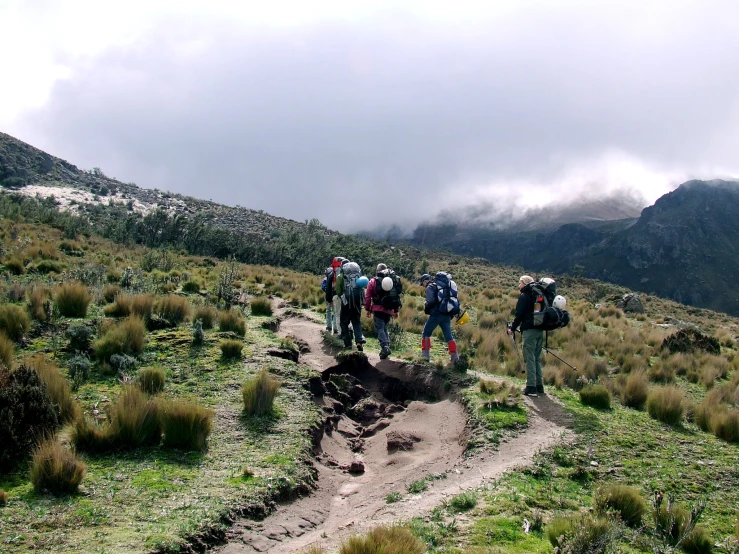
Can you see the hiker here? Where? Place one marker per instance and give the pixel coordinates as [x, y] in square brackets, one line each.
[333, 304]
[533, 339]
[382, 302]
[352, 298]
[441, 305]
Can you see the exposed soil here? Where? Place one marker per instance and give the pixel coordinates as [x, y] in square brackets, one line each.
[387, 424]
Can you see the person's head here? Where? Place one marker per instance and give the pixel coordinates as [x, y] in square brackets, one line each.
[524, 280]
[380, 268]
[344, 261]
[424, 280]
[336, 262]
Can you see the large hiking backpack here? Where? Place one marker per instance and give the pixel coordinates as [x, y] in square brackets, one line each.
[446, 294]
[353, 293]
[546, 316]
[388, 299]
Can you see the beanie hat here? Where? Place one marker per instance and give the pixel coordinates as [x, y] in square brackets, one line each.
[381, 267]
[424, 277]
[525, 279]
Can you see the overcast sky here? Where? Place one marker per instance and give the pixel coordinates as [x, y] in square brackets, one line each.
[369, 113]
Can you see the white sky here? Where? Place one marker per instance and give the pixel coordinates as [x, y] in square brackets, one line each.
[371, 113]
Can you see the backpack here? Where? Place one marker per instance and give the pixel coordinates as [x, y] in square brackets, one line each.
[546, 316]
[323, 284]
[446, 294]
[353, 293]
[388, 299]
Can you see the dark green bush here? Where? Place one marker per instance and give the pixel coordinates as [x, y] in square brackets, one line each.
[56, 469]
[231, 349]
[79, 338]
[596, 396]
[666, 404]
[26, 412]
[625, 500]
[184, 424]
[191, 286]
[14, 321]
[151, 380]
[79, 370]
[72, 299]
[259, 393]
[261, 305]
[231, 321]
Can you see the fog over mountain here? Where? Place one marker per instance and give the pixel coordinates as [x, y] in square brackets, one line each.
[371, 115]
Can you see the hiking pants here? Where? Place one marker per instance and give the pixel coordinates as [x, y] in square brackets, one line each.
[533, 343]
[337, 311]
[381, 322]
[332, 317]
[438, 320]
[351, 313]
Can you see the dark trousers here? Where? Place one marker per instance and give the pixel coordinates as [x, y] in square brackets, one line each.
[351, 313]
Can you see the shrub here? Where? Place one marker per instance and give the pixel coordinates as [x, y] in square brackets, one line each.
[173, 308]
[110, 292]
[261, 306]
[697, 542]
[38, 299]
[49, 266]
[79, 338]
[596, 396]
[231, 321]
[197, 332]
[558, 529]
[55, 468]
[88, 436]
[14, 321]
[79, 370]
[57, 387]
[625, 500]
[666, 404]
[636, 390]
[122, 363]
[207, 314]
[151, 380]
[134, 419]
[231, 349]
[259, 393]
[26, 411]
[72, 299]
[463, 502]
[583, 535]
[184, 424]
[725, 424]
[7, 352]
[15, 266]
[191, 286]
[127, 337]
[384, 540]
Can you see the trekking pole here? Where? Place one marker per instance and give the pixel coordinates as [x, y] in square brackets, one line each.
[515, 347]
[546, 349]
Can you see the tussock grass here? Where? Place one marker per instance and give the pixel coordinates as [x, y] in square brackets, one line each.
[635, 391]
[56, 469]
[141, 305]
[230, 321]
[126, 337]
[582, 535]
[72, 299]
[596, 396]
[7, 351]
[151, 380]
[666, 404]
[207, 314]
[259, 393]
[173, 308]
[626, 501]
[384, 540]
[134, 419]
[231, 349]
[261, 305]
[463, 502]
[88, 436]
[110, 292]
[37, 298]
[191, 286]
[3, 498]
[14, 321]
[184, 424]
[57, 386]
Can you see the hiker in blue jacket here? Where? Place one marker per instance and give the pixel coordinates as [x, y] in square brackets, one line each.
[437, 315]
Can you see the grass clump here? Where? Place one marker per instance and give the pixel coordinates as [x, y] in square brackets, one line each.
[151, 380]
[3, 498]
[7, 351]
[141, 305]
[230, 321]
[259, 394]
[596, 396]
[14, 321]
[57, 387]
[88, 436]
[56, 469]
[635, 390]
[393, 497]
[110, 292]
[463, 502]
[384, 540]
[72, 299]
[583, 535]
[624, 500]
[184, 424]
[38, 298]
[134, 419]
[231, 349]
[173, 308]
[191, 286]
[666, 404]
[261, 306]
[127, 337]
[207, 314]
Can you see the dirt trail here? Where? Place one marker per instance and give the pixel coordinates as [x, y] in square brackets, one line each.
[346, 503]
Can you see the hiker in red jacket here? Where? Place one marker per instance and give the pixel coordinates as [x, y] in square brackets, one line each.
[374, 308]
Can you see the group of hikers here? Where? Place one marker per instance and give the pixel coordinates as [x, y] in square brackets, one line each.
[348, 292]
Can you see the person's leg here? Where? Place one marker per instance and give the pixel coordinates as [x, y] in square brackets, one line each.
[529, 339]
[356, 317]
[446, 328]
[381, 321]
[537, 359]
[344, 320]
[431, 323]
[337, 313]
[329, 316]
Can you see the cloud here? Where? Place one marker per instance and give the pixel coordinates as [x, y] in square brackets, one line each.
[371, 115]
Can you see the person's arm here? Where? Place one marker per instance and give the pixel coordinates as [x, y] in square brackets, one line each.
[520, 312]
[370, 293]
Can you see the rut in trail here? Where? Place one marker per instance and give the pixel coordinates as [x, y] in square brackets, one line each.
[403, 403]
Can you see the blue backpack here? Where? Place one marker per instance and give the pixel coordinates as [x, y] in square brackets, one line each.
[323, 284]
[446, 294]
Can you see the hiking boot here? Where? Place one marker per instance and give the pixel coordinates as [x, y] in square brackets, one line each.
[361, 341]
[529, 391]
[359, 347]
[347, 345]
[539, 389]
[384, 353]
[328, 329]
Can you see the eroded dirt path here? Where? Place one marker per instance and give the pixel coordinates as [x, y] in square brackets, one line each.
[345, 503]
